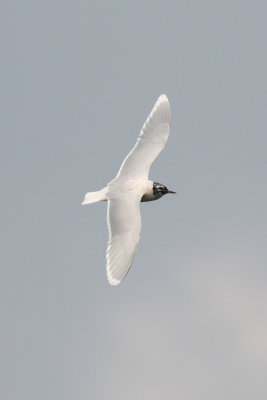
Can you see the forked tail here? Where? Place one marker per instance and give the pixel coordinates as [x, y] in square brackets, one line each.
[93, 197]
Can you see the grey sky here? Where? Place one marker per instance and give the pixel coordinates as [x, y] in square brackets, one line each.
[78, 80]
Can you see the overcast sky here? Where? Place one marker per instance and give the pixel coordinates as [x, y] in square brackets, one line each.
[78, 79]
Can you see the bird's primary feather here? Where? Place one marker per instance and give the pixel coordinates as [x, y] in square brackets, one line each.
[150, 143]
[124, 225]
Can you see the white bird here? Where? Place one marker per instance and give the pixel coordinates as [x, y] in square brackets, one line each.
[130, 187]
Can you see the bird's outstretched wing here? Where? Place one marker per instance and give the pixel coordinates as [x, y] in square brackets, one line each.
[150, 143]
[124, 225]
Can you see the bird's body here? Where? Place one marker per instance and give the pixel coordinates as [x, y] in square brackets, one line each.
[130, 187]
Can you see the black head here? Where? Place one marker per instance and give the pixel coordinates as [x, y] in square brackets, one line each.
[160, 190]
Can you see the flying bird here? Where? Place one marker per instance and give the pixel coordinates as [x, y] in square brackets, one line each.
[130, 187]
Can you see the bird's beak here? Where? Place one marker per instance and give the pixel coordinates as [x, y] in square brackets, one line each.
[170, 191]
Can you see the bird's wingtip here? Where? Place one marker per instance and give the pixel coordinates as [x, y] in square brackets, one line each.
[113, 282]
[162, 99]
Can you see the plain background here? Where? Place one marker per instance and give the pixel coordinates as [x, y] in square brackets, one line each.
[78, 79]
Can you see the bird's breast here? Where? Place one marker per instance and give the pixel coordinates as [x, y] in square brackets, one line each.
[120, 187]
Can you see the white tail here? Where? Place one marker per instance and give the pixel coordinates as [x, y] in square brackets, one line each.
[93, 197]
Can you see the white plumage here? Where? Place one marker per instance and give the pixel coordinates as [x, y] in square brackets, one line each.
[129, 188]
[150, 143]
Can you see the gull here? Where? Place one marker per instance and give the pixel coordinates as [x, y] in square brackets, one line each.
[130, 187]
